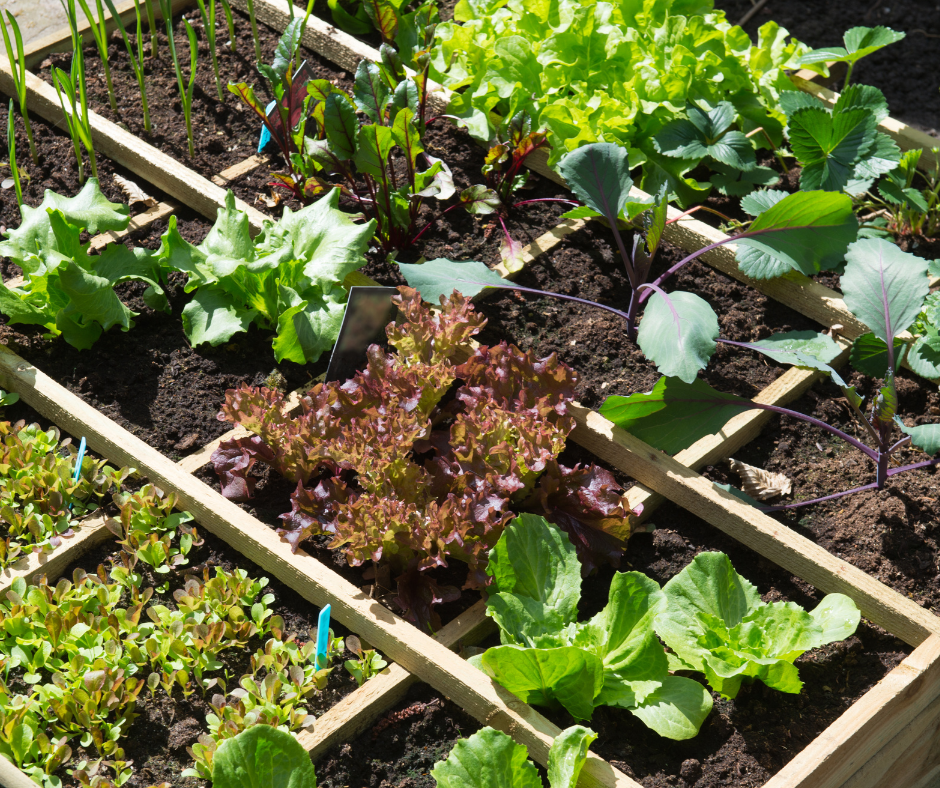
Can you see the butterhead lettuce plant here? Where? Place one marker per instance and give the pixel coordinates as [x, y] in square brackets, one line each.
[549, 658]
[491, 759]
[423, 456]
[716, 623]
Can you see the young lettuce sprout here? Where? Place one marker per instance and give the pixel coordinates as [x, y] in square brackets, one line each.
[11, 148]
[18, 73]
[136, 57]
[208, 23]
[99, 31]
[186, 90]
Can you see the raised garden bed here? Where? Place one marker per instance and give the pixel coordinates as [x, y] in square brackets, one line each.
[889, 730]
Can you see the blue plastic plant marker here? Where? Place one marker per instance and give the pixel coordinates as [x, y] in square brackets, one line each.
[323, 637]
[78, 463]
[265, 134]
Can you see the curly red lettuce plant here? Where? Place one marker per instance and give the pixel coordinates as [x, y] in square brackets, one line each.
[399, 472]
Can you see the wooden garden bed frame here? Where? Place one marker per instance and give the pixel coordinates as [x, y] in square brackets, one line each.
[888, 737]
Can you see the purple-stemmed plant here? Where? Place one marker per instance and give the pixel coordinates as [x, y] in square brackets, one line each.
[678, 332]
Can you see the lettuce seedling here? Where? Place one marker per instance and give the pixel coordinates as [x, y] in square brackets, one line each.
[262, 757]
[289, 278]
[859, 42]
[840, 148]
[887, 290]
[491, 759]
[715, 623]
[397, 472]
[549, 658]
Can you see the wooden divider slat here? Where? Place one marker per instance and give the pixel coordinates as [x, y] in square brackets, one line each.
[431, 661]
[356, 712]
[869, 725]
[781, 545]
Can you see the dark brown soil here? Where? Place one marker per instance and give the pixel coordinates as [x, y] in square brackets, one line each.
[401, 748]
[57, 171]
[891, 534]
[905, 72]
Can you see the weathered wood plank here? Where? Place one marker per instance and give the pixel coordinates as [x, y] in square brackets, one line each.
[835, 757]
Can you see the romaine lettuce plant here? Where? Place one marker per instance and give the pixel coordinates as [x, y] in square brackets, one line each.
[716, 623]
[288, 278]
[548, 658]
[887, 290]
[396, 473]
[601, 72]
[491, 759]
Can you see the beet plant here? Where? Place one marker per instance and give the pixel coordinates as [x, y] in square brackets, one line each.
[424, 456]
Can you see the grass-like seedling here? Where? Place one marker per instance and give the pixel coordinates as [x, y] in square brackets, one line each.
[18, 72]
[11, 148]
[135, 55]
[229, 23]
[99, 31]
[208, 23]
[186, 90]
[72, 84]
[254, 30]
[152, 23]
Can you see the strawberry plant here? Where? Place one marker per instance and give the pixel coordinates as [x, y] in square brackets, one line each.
[859, 42]
[395, 472]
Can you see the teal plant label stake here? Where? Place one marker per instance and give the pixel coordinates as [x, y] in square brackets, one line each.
[78, 463]
[323, 637]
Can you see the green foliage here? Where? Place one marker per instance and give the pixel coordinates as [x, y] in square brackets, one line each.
[368, 661]
[589, 72]
[17, 60]
[135, 54]
[40, 503]
[840, 149]
[288, 278]
[11, 152]
[185, 88]
[716, 623]
[548, 658]
[706, 134]
[263, 757]
[99, 31]
[208, 24]
[66, 290]
[492, 450]
[491, 759]
[859, 42]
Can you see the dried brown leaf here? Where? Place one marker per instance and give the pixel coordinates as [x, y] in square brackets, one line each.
[134, 193]
[760, 484]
